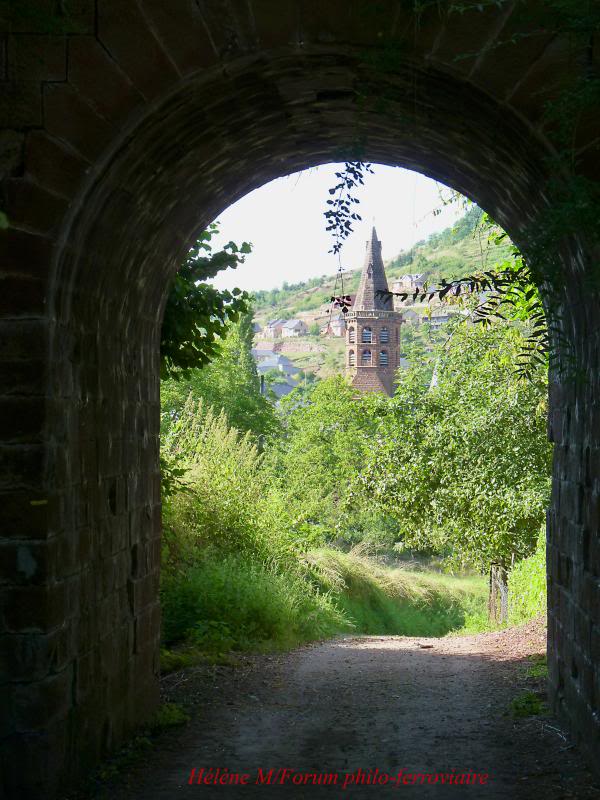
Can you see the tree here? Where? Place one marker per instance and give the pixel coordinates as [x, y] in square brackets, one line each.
[196, 314]
[464, 465]
[230, 383]
[326, 432]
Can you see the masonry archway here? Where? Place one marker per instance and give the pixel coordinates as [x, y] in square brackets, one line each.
[136, 151]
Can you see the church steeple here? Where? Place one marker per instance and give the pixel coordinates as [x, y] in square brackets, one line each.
[373, 328]
[373, 279]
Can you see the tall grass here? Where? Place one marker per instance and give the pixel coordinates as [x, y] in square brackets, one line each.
[380, 600]
[238, 573]
[527, 585]
[231, 602]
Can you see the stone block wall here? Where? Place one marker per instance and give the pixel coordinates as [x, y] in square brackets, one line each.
[573, 559]
[125, 128]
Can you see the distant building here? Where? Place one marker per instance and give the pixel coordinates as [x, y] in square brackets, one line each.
[334, 327]
[439, 319]
[410, 316]
[411, 282]
[407, 284]
[276, 362]
[273, 329]
[282, 389]
[294, 327]
[259, 354]
[373, 328]
[268, 362]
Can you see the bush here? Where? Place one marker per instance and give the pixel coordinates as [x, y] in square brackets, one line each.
[220, 507]
[235, 571]
[527, 585]
[379, 600]
[235, 603]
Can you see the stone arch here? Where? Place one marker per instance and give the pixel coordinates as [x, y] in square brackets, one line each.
[133, 130]
[351, 358]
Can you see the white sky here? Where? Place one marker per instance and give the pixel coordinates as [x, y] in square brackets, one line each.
[284, 222]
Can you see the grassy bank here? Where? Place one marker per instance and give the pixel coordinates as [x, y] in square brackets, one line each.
[233, 603]
[380, 600]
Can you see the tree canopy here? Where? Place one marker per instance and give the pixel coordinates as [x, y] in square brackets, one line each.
[462, 463]
[197, 314]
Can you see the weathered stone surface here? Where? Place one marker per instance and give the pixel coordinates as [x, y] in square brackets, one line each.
[160, 121]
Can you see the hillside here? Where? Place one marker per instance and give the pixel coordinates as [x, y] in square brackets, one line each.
[453, 253]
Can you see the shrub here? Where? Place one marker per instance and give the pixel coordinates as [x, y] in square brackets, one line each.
[232, 602]
[527, 704]
[220, 507]
[527, 585]
[379, 600]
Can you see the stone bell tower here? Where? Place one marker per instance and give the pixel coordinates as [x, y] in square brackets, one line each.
[373, 329]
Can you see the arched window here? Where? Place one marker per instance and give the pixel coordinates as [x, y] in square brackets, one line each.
[366, 357]
[351, 335]
[383, 358]
[367, 335]
[351, 358]
[384, 336]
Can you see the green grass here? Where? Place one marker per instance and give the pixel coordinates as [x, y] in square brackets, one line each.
[379, 600]
[231, 603]
[538, 667]
[168, 715]
[527, 704]
[527, 585]
[173, 660]
[187, 655]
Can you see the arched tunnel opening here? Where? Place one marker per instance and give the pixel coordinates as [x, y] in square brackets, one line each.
[105, 194]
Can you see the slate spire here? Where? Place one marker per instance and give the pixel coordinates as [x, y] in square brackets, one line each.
[372, 279]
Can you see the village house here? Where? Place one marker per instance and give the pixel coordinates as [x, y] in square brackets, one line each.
[294, 327]
[284, 388]
[439, 319]
[411, 282]
[410, 316]
[267, 363]
[275, 361]
[407, 284]
[336, 326]
[273, 329]
[259, 354]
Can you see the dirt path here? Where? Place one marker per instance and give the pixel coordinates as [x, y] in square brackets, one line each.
[387, 703]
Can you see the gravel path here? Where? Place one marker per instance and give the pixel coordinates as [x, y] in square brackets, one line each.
[390, 703]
